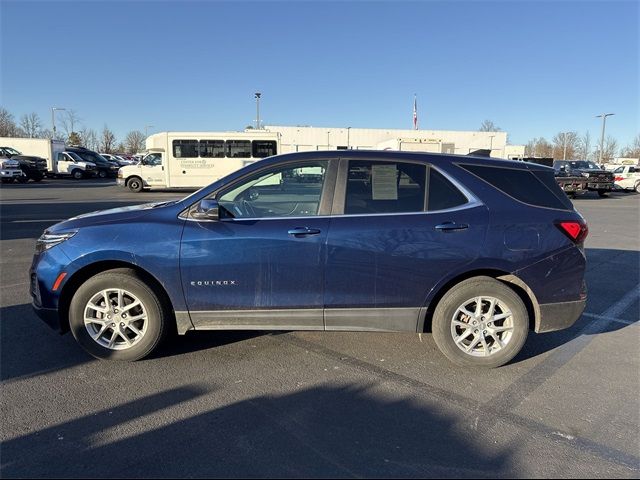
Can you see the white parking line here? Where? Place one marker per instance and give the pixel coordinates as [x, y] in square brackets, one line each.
[609, 319]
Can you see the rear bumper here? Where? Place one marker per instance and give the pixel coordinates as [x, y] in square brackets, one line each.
[558, 316]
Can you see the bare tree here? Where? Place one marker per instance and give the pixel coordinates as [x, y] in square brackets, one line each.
[609, 149]
[633, 150]
[539, 147]
[108, 140]
[69, 121]
[134, 141]
[30, 124]
[89, 138]
[570, 139]
[488, 126]
[45, 133]
[583, 150]
[8, 127]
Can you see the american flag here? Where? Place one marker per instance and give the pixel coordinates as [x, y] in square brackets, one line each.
[415, 113]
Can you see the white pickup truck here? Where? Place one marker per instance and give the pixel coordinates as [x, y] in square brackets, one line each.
[627, 177]
[10, 170]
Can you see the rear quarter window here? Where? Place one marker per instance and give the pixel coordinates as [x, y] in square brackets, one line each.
[537, 188]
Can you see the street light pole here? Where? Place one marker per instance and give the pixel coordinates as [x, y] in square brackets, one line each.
[53, 120]
[564, 153]
[257, 97]
[604, 121]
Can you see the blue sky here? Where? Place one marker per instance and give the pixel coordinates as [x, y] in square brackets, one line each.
[534, 68]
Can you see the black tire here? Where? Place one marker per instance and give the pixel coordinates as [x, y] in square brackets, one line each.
[37, 177]
[102, 174]
[22, 179]
[122, 278]
[135, 184]
[637, 187]
[77, 174]
[602, 193]
[466, 291]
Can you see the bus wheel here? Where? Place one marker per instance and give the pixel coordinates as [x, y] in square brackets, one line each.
[135, 184]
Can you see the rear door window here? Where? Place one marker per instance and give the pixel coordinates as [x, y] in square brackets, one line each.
[385, 187]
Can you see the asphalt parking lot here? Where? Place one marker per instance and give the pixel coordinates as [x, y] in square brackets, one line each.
[309, 404]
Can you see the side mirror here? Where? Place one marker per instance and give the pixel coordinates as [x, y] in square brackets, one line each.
[207, 209]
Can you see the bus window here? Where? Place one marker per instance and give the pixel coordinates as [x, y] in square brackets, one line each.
[264, 148]
[238, 148]
[212, 148]
[185, 149]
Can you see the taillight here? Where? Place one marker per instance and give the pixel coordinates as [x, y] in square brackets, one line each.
[576, 231]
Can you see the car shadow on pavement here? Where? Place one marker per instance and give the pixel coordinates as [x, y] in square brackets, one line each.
[326, 431]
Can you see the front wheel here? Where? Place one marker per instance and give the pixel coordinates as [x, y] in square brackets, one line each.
[135, 184]
[115, 315]
[102, 174]
[480, 322]
[637, 187]
[77, 174]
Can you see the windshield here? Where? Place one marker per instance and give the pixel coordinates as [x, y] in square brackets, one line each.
[12, 151]
[92, 157]
[584, 165]
[76, 157]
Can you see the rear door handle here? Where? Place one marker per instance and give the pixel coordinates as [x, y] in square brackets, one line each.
[451, 226]
[303, 231]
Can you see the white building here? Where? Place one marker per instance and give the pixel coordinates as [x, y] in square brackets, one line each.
[303, 138]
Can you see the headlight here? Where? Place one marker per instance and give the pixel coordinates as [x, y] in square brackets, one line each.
[585, 175]
[48, 240]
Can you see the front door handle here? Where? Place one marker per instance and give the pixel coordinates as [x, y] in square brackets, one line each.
[303, 231]
[451, 226]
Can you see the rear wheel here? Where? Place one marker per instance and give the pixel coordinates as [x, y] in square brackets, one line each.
[480, 323]
[637, 187]
[115, 315]
[134, 184]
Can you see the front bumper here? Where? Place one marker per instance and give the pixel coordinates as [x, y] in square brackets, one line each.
[48, 316]
[11, 173]
[558, 316]
[120, 182]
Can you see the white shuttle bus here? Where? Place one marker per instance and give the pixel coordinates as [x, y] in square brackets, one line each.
[196, 159]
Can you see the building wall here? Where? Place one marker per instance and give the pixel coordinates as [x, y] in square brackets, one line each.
[442, 141]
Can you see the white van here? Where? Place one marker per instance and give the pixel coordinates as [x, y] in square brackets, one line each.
[196, 159]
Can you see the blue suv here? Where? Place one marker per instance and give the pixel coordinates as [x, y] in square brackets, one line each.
[476, 250]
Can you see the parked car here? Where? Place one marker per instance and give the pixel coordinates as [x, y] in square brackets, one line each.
[116, 159]
[104, 167]
[596, 178]
[70, 163]
[627, 177]
[476, 250]
[34, 168]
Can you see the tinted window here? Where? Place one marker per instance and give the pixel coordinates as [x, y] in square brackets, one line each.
[442, 193]
[185, 148]
[523, 185]
[239, 148]
[633, 170]
[292, 191]
[264, 148]
[385, 187]
[212, 148]
[620, 170]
